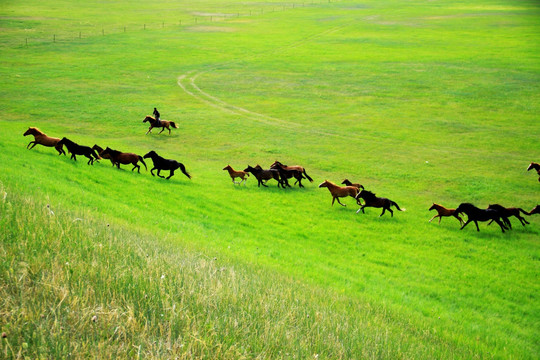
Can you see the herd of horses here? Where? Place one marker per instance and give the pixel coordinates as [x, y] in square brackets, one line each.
[281, 173]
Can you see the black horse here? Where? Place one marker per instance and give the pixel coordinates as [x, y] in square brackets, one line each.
[165, 164]
[76, 149]
[373, 201]
[285, 174]
[263, 175]
[507, 212]
[475, 214]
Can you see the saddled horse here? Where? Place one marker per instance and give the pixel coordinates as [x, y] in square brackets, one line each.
[535, 210]
[347, 182]
[507, 212]
[43, 139]
[286, 173]
[373, 201]
[475, 214]
[118, 158]
[237, 174]
[165, 124]
[536, 167]
[340, 191]
[442, 211]
[263, 175]
[100, 151]
[299, 168]
[76, 149]
[165, 164]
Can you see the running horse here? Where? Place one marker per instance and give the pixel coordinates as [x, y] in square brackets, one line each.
[347, 182]
[263, 175]
[162, 124]
[237, 174]
[507, 212]
[340, 191]
[165, 164]
[76, 149]
[288, 172]
[536, 167]
[118, 158]
[373, 201]
[442, 211]
[475, 214]
[42, 139]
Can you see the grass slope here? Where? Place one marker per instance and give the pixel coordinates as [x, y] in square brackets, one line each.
[420, 102]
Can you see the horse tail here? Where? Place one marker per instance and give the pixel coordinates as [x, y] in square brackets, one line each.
[142, 160]
[183, 169]
[307, 176]
[173, 124]
[524, 212]
[396, 205]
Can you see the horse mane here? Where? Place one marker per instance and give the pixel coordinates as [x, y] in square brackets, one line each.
[36, 129]
[368, 193]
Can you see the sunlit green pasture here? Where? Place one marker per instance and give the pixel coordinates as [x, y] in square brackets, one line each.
[421, 102]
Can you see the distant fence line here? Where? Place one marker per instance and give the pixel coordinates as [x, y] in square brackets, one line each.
[196, 19]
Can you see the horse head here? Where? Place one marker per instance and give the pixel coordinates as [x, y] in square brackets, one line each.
[324, 184]
[150, 154]
[434, 206]
[148, 118]
[249, 169]
[533, 165]
[33, 131]
[228, 167]
[464, 208]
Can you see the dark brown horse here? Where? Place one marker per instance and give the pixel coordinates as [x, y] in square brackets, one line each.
[373, 201]
[347, 182]
[286, 172]
[294, 167]
[475, 214]
[161, 163]
[536, 167]
[535, 210]
[340, 191]
[165, 124]
[118, 158]
[507, 212]
[76, 149]
[442, 211]
[42, 139]
[263, 175]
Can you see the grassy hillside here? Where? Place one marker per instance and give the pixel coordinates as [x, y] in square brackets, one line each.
[419, 102]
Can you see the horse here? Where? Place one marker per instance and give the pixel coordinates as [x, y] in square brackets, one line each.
[295, 167]
[42, 139]
[285, 174]
[346, 182]
[162, 124]
[165, 164]
[536, 167]
[535, 210]
[340, 191]
[507, 212]
[76, 149]
[475, 214]
[237, 174]
[263, 175]
[118, 158]
[442, 211]
[100, 150]
[373, 201]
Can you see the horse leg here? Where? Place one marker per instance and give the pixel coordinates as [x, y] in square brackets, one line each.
[522, 220]
[171, 174]
[149, 129]
[159, 170]
[391, 212]
[31, 142]
[73, 157]
[168, 128]
[434, 218]
[163, 128]
[90, 161]
[361, 208]
[333, 199]
[500, 224]
[476, 223]
[339, 202]
[459, 218]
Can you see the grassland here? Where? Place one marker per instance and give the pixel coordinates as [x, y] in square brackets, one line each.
[419, 102]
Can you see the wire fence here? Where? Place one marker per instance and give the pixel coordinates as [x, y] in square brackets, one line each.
[186, 22]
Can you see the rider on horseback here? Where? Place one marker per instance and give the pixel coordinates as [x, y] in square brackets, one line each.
[156, 115]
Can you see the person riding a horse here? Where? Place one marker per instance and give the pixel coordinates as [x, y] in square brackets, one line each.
[156, 115]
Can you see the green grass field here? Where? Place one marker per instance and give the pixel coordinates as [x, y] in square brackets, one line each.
[421, 102]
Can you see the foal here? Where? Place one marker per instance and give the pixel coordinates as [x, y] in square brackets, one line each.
[340, 191]
[237, 174]
[442, 211]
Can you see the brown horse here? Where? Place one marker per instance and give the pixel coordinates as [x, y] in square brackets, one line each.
[346, 182]
[295, 167]
[535, 210]
[507, 212]
[42, 139]
[374, 201]
[340, 191]
[536, 167]
[162, 124]
[237, 174]
[442, 211]
[118, 158]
